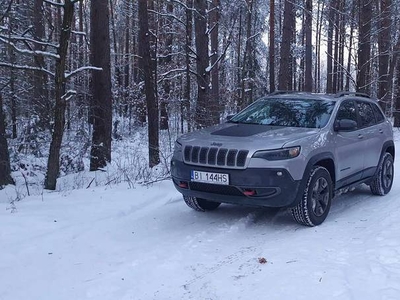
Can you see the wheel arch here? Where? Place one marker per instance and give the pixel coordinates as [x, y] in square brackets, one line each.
[388, 147]
[324, 159]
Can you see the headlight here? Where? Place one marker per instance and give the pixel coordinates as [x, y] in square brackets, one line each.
[278, 154]
[177, 147]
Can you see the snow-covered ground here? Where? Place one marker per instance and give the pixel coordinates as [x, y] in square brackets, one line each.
[116, 242]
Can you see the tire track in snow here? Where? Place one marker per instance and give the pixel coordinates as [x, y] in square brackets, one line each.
[228, 260]
[242, 262]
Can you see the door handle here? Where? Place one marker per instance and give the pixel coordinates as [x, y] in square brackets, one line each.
[380, 130]
[360, 136]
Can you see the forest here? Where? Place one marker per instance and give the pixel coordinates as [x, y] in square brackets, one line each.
[78, 76]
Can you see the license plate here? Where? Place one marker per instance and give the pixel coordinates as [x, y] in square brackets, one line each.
[209, 177]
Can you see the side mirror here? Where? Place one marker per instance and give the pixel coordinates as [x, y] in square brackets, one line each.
[345, 125]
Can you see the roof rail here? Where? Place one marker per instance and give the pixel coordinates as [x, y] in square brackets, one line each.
[347, 93]
[281, 92]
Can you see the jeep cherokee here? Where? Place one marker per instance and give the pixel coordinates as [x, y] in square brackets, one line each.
[292, 150]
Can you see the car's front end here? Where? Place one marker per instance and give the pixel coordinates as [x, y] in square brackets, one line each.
[233, 175]
[250, 163]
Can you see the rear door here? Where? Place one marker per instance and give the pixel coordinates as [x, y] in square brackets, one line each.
[372, 130]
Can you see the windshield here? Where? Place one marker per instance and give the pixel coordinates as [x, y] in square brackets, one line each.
[287, 112]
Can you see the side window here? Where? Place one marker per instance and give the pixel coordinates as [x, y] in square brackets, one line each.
[366, 113]
[378, 113]
[347, 110]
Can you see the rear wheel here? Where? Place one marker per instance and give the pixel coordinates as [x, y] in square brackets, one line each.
[316, 201]
[200, 204]
[383, 180]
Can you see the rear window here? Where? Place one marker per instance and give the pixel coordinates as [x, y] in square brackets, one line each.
[366, 113]
[378, 113]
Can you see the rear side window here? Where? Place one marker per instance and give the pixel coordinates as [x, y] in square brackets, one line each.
[347, 110]
[366, 113]
[378, 113]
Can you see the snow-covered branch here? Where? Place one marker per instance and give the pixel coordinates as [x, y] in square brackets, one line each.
[81, 69]
[79, 32]
[26, 39]
[54, 3]
[68, 95]
[164, 75]
[219, 58]
[30, 68]
[170, 54]
[167, 15]
[30, 52]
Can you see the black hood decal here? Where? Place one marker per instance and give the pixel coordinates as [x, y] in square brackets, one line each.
[244, 130]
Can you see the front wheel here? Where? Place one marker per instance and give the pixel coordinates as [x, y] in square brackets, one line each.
[383, 180]
[200, 204]
[317, 197]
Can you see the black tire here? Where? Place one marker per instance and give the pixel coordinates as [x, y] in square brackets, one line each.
[200, 204]
[315, 203]
[383, 180]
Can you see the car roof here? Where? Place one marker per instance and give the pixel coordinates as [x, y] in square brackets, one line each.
[320, 96]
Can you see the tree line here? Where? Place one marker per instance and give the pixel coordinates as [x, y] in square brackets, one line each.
[102, 69]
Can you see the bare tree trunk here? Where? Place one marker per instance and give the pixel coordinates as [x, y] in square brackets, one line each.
[53, 163]
[13, 102]
[100, 153]
[384, 40]
[186, 103]
[5, 169]
[272, 46]
[299, 75]
[342, 37]
[336, 49]
[329, 59]
[308, 81]
[292, 71]
[40, 101]
[317, 71]
[239, 65]
[140, 105]
[364, 46]
[214, 97]
[247, 69]
[117, 69]
[202, 117]
[12, 58]
[127, 60]
[167, 84]
[286, 66]
[348, 73]
[81, 79]
[152, 105]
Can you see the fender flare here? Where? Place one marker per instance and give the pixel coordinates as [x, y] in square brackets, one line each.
[311, 163]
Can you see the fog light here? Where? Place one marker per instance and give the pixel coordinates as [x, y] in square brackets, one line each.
[279, 173]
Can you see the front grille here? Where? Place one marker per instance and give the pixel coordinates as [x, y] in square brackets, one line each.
[213, 156]
[215, 189]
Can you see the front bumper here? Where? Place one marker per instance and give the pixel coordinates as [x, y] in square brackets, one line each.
[252, 186]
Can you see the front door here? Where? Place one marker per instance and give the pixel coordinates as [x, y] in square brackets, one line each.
[350, 147]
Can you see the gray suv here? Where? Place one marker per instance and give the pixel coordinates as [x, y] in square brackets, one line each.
[292, 150]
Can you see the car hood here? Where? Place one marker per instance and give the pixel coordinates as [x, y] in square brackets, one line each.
[252, 137]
